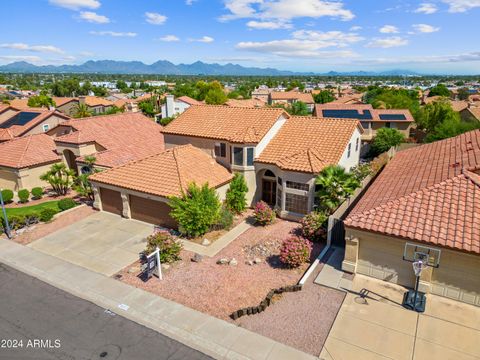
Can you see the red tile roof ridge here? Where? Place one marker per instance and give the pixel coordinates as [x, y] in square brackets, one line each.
[174, 154]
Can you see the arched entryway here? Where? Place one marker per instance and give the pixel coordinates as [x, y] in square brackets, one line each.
[269, 187]
[70, 160]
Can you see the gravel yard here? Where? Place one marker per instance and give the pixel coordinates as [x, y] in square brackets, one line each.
[301, 319]
[221, 289]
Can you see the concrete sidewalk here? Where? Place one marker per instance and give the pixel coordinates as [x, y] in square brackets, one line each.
[202, 332]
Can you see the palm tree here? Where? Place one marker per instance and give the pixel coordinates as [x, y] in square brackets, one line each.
[59, 177]
[81, 110]
[335, 185]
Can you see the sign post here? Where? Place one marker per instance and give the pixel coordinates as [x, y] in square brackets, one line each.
[153, 262]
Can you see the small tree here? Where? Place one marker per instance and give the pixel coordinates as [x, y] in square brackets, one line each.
[439, 90]
[82, 184]
[323, 97]
[59, 177]
[41, 100]
[236, 194]
[385, 139]
[334, 184]
[196, 210]
[216, 96]
[81, 110]
[298, 108]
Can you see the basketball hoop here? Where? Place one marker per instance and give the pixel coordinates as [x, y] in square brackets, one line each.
[413, 299]
[418, 267]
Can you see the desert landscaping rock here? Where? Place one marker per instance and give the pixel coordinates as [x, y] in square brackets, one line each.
[233, 262]
[206, 242]
[197, 258]
[257, 261]
[223, 261]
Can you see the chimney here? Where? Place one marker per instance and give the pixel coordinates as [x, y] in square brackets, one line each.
[81, 99]
[170, 105]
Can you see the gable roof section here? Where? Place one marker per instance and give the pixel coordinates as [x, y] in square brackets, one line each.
[292, 95]
[188, 100]
[125, 137]
[307, 144]
[237, 125]
[427, 193]
[97, 101]
[475, 112]
[382, 115]
[27, 151]
[167, 173]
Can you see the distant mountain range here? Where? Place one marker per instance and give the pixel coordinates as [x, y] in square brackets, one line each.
[167, 68]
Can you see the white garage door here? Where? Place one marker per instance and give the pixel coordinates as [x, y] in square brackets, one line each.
[381, 258]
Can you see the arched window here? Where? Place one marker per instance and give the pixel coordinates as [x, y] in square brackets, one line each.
[269, 173]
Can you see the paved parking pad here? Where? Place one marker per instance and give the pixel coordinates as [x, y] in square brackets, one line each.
[102, 242]
[378, 327]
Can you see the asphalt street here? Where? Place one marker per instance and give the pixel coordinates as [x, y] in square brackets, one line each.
[38, 321]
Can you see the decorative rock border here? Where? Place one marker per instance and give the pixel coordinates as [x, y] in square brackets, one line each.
[265, 303]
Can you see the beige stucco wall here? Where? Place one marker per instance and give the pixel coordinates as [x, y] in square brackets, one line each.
[381, 256]
[52, 121]
[8, 179]
[7, 114]
[222, 191]
[26, 178]
[403, 127]
[68, 108]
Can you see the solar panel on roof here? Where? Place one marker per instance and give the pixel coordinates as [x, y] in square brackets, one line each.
[20, 119]
[392, 117]
[347, 114]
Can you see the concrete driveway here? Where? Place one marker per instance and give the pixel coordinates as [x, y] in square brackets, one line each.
[102, 242]
[377, 327]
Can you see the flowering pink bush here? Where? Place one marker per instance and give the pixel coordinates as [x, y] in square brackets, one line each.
[312, 226]
[295, 251]
[264, 215]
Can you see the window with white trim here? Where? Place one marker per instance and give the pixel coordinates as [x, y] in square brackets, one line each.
[250, 156]
[297, 185]
[220, 150]
[238, 156]
[349, 150]
[357, 143]
[45, 127]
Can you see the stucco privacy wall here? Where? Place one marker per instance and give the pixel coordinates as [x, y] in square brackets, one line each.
[26, 178]
[51, 121]
[380, 256]
[348, 162]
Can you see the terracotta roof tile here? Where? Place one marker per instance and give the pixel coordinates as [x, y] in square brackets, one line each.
[188, 100]
[237, 125]
[28, 151]
[248, 103]
[309, 144]
[362, 108]
[124, 137]
[97, 101]
[167, 173]
[430, 192]
[292, 95]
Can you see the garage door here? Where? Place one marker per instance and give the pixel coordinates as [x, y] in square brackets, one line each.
[381, 258]
[151, 211]
[111, 201]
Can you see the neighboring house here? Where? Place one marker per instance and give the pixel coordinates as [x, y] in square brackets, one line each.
[249, 103]
[113, 139]
[426, 196]
[470, 114]
[24, 159]
[370, 118]
[141, 189]
[261, 93]
[21, 123]
[279, 155]
[349, 99]
[174, 107]
[290, 97]
[96, 105]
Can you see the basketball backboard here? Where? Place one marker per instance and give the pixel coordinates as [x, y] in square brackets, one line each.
[415, 252]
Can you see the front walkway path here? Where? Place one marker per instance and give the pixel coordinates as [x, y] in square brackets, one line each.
[372, 324]
[207, 334]
[331, 274]
[215, 247]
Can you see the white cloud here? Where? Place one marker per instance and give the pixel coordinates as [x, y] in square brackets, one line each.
[424, 28]
[456, 58]
[76, 4]
[356, 28]
[34, 48]
[92, 17]
[389, 29]
[113, 33]
[155, 18]
[389, 42]
[305, 43]
[268, 25]
[169, 38]
[427, 8]
[189, 2]
[27, 58]
[285, 9]
[203, 39]
[459, 6]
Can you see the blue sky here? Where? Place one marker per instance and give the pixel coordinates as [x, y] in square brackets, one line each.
[429, 36]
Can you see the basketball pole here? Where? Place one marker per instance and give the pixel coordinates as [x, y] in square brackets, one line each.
[416, 293]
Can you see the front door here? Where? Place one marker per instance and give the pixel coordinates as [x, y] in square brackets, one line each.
[269, 191]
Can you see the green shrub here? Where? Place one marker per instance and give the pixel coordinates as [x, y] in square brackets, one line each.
[31, 218]
[295, 251]
[169, 246]
[236, 199]
[313, 226]
[196, 210]
[47, 214]
[66, 204]
[37, 193]
[7, 196]
[263, 214]
[23, 195]
[16, 222]
[225, 220]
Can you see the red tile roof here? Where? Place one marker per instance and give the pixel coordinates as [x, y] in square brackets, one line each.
[308, 144]
[429, 194]
[188, 100]
[167, 173]
[125, 137]
[237, 125]
[292, 95]
[28, 151]
[361, 108]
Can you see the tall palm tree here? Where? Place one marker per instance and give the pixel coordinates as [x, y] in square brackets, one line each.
[335, 185]
[81, 110]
